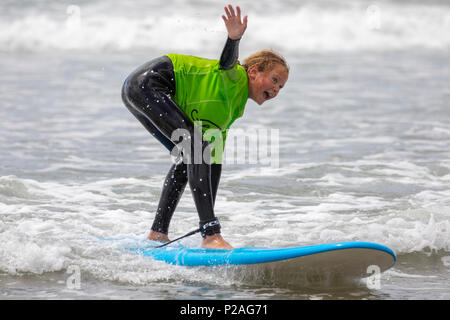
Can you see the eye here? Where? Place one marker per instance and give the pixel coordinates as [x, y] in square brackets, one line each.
[274, 80]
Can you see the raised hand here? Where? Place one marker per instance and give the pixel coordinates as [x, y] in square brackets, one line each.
[233, 23]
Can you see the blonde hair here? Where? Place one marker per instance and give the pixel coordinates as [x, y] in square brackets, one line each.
[265, 60]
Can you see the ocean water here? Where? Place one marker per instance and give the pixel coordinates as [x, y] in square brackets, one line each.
[363, 129]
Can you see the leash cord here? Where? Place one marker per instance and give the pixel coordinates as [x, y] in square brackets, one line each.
[186, 235]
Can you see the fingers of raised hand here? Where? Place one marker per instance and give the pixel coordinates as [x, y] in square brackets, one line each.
[245, 20]
[230, 12]
[233, 17]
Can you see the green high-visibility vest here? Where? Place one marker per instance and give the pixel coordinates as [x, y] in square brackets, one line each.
[209, 94]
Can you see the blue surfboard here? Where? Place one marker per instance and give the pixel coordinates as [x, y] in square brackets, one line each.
[349, 259]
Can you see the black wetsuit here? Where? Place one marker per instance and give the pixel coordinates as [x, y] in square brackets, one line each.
[147, 93]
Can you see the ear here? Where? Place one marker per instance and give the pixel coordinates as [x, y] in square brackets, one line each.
[252, 72]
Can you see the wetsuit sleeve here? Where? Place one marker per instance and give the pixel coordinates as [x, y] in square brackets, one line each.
[230, 54]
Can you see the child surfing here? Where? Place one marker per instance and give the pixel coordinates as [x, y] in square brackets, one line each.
[179, 98]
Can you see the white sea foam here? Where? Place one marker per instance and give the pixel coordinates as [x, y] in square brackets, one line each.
[51, 225]
[310, 26]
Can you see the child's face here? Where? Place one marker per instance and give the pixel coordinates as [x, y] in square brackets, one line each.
[265, 85]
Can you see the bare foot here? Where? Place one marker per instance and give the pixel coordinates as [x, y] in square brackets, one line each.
[215, 242]
[158, 236]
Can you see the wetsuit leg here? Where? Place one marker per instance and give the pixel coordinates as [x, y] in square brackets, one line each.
[174, 184]
[173, 189]
[147, 93]
[152, 129]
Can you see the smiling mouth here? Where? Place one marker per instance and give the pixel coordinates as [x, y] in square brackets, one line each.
[267, 95]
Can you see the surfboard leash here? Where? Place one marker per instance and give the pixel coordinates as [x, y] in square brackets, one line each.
[186, 235]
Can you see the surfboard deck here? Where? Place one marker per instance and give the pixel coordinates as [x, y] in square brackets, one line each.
[346, 259]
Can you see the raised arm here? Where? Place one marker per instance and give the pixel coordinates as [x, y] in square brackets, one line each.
[236, 29]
